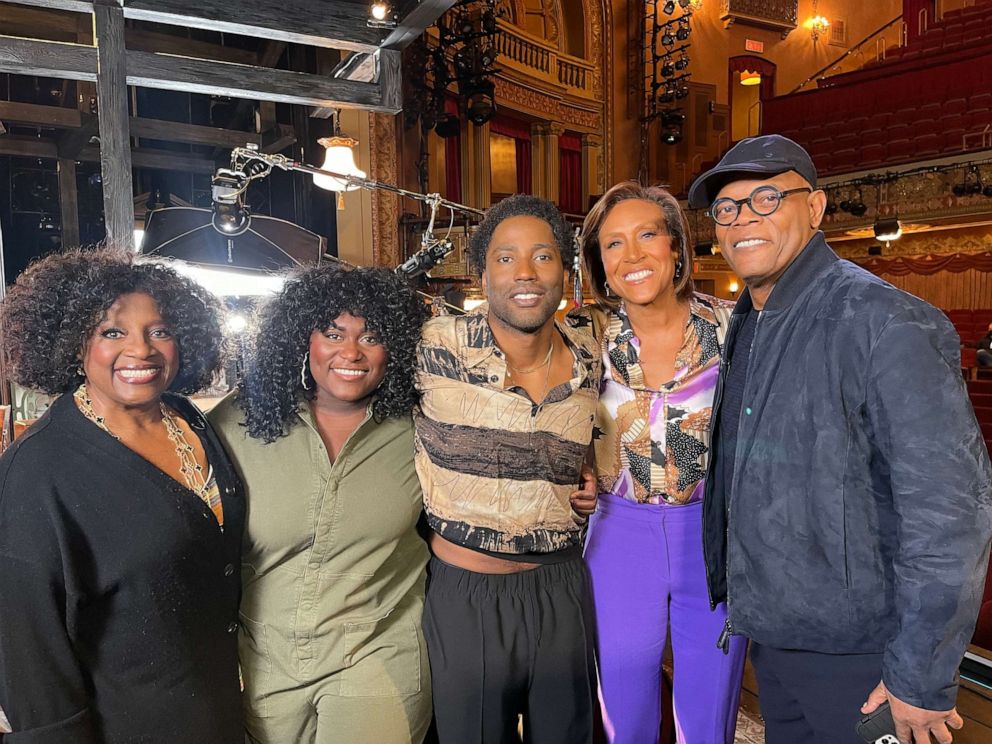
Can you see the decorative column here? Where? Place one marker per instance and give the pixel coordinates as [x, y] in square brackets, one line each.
[546, 159]
[592, 167]
[476, 166]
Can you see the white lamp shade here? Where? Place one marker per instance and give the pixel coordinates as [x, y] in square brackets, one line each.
[339, 158]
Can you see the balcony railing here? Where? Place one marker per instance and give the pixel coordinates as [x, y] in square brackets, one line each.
[536, 58]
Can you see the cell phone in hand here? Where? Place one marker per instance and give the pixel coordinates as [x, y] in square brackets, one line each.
[877, 727]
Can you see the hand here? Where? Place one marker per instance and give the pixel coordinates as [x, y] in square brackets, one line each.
[915, 725]
[583, 500]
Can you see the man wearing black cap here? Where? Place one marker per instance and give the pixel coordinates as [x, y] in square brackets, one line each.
[848, 507]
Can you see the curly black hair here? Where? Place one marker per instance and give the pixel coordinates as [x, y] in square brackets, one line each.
[311, 299]
[520, 205]
[52, 310]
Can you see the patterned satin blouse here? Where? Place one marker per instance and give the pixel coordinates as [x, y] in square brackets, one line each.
[652, 446]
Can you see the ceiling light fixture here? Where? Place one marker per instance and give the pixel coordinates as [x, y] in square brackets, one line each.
[888, 229]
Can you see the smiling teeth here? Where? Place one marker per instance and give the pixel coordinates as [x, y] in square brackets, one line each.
[748, 243]
[525, 297]
[350, 372]
[137, 374]
[638, 275]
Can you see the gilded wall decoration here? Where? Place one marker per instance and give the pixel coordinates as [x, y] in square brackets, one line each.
[545, 105]
[385, 206]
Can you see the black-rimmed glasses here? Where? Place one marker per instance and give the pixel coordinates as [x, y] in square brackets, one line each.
[763, 201]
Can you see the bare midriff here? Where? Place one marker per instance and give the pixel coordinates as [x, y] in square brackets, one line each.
[473, 560]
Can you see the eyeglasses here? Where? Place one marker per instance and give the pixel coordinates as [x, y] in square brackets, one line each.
[763, 201]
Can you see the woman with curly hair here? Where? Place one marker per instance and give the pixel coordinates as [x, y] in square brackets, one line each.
[120, 514]
[334, 570]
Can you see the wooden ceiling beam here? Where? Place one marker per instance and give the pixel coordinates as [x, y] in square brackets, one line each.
[34, 115]
[332, 23]
[170, 72]
[76, 6]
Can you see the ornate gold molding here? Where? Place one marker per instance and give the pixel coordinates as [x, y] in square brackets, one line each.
[385, 206]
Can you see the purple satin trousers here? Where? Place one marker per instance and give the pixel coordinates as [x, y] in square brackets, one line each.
[646, 565]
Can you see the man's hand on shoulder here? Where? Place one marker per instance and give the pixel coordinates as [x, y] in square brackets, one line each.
[583, 499]
[915, 725]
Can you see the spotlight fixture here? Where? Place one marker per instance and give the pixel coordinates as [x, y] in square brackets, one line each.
[831, 208]
[668, 38]
[682, 92]
[683, 32]
[681, 63]
[987, 191]
[480, 100]
[447, 125]
[671, 122]
[669, 7]
[888, 229]
[668, 70]
[230, 215]
[380, 15]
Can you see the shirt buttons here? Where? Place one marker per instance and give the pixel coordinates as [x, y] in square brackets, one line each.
[228, 569]
[232, 628]
[494, 378]
[748, 410]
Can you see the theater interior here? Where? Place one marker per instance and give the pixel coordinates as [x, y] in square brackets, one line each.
[118, 120]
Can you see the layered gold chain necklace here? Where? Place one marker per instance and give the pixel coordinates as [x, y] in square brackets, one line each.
[189, 468]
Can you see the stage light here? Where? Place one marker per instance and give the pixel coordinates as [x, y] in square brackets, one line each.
[447, 125]
[682, 92]
[959, 189]
[681, 63]
[480, 101]
[229, 282]
[987, 191]
[683, 33]
[888, 229]
[235, 324]
[669, 7]
[668, 38]
[230, 216]
[668, 70]
[831, 208]
[379, 11]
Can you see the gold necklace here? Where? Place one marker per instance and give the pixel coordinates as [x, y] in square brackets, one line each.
[535, 368]
[190, 469]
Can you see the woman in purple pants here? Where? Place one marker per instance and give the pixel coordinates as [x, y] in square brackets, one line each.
[661, 346]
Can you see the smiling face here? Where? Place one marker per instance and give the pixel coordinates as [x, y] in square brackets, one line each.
[759, 249]
[524, 277]
[637, 252]
[347, 361]
[131, 357]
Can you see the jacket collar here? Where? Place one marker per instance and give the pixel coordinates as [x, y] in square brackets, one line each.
[813, 260]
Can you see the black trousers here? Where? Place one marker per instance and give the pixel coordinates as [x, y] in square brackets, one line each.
[813, 698]
[502, 645]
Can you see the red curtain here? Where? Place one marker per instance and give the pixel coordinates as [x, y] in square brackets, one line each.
[519, 131]
[570, 157]
[452, 159]
[926, 265]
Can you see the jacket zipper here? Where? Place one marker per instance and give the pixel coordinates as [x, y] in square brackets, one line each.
[723, 642]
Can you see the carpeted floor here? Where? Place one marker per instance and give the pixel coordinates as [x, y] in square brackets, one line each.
[749, 730]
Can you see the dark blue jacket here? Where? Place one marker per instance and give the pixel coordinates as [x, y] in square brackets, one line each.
[860, 512]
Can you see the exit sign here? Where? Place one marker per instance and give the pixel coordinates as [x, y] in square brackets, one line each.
[752, 45]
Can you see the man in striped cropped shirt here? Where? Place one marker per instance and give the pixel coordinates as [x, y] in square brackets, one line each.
[505, 423]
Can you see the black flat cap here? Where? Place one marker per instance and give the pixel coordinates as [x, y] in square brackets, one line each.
[767, 155]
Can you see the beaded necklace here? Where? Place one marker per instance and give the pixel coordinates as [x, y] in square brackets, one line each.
[191, 470]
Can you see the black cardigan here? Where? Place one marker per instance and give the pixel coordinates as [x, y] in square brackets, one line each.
[118, 591]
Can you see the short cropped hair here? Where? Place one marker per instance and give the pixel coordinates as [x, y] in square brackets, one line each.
[521, 205]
